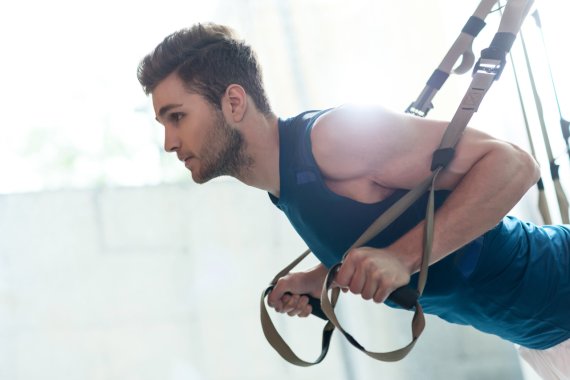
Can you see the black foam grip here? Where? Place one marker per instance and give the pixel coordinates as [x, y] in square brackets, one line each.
[316, 307]
[405, 297]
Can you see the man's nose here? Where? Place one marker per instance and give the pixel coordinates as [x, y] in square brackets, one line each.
[171, 141]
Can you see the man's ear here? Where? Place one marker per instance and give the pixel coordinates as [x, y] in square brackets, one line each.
[234, 103]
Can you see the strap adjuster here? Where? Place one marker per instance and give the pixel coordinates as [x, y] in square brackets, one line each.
[492, 61]
[494, 58]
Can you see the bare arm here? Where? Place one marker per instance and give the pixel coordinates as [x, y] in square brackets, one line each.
[491, 187]
[393, 151]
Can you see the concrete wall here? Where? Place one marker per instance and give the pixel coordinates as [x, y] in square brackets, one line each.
[163, 283]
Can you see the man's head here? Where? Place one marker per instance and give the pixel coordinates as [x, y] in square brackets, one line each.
[207, 58]
[200, 80]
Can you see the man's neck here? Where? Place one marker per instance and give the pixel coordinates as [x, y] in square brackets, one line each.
[262, 139]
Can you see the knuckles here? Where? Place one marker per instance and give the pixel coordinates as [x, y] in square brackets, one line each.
[363, 274]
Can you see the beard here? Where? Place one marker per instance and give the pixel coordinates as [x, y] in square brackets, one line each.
[223, 152]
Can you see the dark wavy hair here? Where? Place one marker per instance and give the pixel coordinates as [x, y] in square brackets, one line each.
[208, 58]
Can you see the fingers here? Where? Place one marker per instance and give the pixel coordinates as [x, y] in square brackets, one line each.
[295, 305]
[366, 284]
[352, 274]
[369, 289]
[372, 273]
[380, 295]
[345, 273]
[358, 281]
[337, 285]
[283, 301]
[276, 297]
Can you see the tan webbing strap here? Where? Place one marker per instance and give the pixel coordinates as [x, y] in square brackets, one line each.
[279, 344]
[275, 339]
[487, 70]
[461, 48]
[418, 320]
[481, 82]
[327, 305]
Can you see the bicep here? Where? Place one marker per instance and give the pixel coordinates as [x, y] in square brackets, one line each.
[394, 150]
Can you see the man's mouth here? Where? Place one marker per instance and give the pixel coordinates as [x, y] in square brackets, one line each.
[184, 158]
[187, 161]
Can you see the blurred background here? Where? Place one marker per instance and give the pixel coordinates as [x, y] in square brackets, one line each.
[114, 265]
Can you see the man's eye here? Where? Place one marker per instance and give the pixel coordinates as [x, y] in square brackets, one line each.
[176, 116]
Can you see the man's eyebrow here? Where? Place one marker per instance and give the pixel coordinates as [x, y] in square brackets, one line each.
[165, 109]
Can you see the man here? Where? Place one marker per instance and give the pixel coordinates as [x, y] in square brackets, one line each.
[332, 172]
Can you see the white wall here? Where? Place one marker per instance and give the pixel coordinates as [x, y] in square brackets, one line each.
[163, 283]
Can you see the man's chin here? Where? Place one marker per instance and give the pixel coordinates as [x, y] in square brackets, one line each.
[200, 179]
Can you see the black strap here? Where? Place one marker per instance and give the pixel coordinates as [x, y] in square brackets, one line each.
[473, 26]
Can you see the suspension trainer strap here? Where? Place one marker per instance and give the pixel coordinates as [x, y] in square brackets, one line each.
[461, 48]
[560, 195]
[542, 202]
[487, 70]
[564, 124]
[275, 339]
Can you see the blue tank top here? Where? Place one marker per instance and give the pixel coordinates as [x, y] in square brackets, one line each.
[513, 282]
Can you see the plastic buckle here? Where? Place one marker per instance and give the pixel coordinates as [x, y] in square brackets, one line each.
[492, 61]
[441, 158]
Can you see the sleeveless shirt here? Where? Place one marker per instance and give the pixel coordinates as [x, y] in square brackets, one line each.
[513, 282]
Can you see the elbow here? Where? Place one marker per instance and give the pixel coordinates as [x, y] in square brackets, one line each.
[527, 167]
[532, 168]
[536, 171]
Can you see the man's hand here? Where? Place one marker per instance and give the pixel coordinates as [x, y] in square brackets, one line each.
[287, 295]
[372, 273]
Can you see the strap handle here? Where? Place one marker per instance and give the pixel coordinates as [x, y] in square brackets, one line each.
[405, 296]
[418, 320]
[275, 339]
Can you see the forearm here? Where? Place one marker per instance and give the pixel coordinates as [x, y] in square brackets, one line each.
[480, 200]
